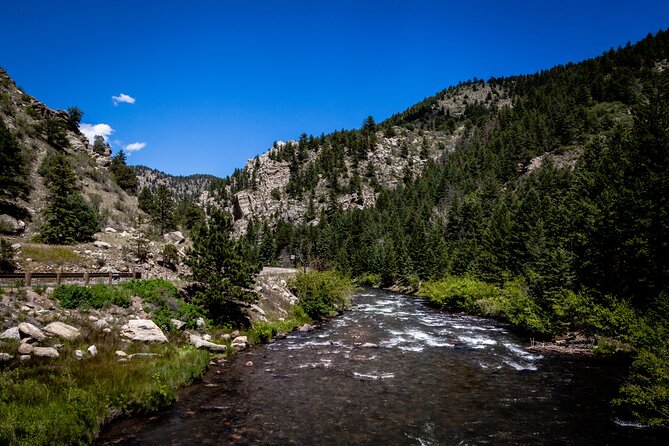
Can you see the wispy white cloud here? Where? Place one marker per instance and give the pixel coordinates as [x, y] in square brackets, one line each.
[123, 98]
[91, 130]
[134, 147]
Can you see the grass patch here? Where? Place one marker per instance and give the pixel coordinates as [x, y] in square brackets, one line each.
[322, 293]
[64, 401]
[55, 255]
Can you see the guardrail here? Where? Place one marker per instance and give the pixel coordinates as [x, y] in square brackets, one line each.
[59, 278]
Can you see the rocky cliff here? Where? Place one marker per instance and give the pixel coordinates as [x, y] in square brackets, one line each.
[400, 152]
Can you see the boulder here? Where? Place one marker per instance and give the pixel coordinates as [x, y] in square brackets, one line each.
[143, 330]
[4, 357]
[45, 352]
[92, 350]
[11, 225]
[62, 330]
[110, 230]
[198, 342]
[305, 328]
[24, 358]
[11, 333]
[29, 330]
[200, 322]
[25, 348]
[79, 355]
[120, 353]
[101, 244]
[16, 246]
[174, 238]
[240, 343]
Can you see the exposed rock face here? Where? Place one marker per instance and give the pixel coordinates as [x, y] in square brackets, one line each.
[174, 238]
[29, 330]
[143, 330]
[62, 330]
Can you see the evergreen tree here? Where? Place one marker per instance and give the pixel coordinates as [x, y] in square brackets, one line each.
[124, 175]
[163, 209]
[225, 268]
[13, 168]
[67, 218]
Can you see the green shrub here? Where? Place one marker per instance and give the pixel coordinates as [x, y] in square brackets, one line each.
[7, 253]
[322, 293]
[373, 280]
[510, 303]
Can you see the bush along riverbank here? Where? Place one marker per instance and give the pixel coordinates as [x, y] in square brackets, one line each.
[320, 294]
[611, 327]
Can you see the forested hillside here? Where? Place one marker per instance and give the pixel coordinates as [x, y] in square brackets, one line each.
[561, 192]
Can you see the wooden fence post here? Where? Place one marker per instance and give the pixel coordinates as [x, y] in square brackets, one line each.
[58, 278]
[86, 277]
[110, 277]
[28, 278]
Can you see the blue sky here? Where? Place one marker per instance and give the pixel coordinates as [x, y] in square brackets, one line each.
[216, 82]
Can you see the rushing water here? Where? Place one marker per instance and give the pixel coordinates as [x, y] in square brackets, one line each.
[432, 379]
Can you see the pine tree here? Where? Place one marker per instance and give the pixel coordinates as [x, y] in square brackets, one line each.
[13, 168]
[124, 175]
[163, 209]
[224, 268]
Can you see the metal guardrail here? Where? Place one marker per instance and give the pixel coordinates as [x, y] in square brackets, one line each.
[59, 277]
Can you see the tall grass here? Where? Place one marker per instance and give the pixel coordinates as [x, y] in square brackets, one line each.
[65, 401]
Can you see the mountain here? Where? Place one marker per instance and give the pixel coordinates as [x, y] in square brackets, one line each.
[32, 133]
[190, 187]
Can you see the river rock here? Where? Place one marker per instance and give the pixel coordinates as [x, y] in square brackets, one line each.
[92, 350]
[45, 352]
[4, 357]
[174, 238]
[25, 348]
[305, 328]
[143, 330]
[11, 333]
[198, 342]
[62, 330]
[369, 345]
[240, 343]
[29, 330]
[249, 364]
[79, 355]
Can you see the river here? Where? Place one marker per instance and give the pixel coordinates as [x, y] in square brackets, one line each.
[427, 378]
